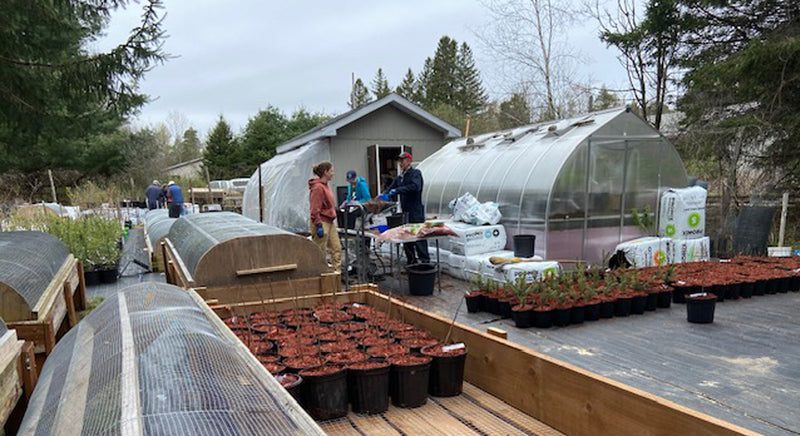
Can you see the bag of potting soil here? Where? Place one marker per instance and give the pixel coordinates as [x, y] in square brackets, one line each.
[532, 271]
[474, 240]
[683, 213]
[691, 250]
[647, 251]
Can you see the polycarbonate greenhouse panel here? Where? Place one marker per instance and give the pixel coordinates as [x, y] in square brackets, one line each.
[29, 261]
[193, 235]
[159, 230]
[149, 360]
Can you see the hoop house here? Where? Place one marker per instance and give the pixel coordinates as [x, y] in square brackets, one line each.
[573, 183]
[225, 248]
[153, 359]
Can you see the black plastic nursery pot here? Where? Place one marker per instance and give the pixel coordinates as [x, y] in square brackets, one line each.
[421, 277]
[368, 386]
[622, 307]
[505, 308]
[700, 308]
[491, 305]
[783, 284]
[664, 299]
[638, 303]
[543, 319]
[795, 284]
[522, 316]
[591, 312]
[524, 245]
[607, 309]
[734, 291]
[561, 317]
[746, 289]
[721, 291]
[680, 291]
[109, 275]
[474, 302]
[408, 380]
[651, 302]
[325, 391]
[577, 314]
[760, 287]
[292, 383]
[91, 278]
[771, 287]
[447, 370]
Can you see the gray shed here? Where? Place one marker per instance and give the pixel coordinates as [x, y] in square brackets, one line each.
[367, 140]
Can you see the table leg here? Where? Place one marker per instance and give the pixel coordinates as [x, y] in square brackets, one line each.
[399, 273]
[438, 267]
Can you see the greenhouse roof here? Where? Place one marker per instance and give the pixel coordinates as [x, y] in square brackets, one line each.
[330, 127]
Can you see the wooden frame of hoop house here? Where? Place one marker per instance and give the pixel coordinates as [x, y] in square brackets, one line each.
[563, 396]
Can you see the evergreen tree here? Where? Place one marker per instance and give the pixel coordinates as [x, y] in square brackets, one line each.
[262, 135]
[514, 112]
[359, 96]
[220, 154]
[302, 121]
[380, 86]
[471, 96]
[423, 84]
[605, 100]
[189, 147]
[441, 86]
[408, 88]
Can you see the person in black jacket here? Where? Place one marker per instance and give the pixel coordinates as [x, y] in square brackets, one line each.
[409, 186]
[153, 194]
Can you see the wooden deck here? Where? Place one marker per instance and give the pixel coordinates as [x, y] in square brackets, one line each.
[474, 412]
[744, 368]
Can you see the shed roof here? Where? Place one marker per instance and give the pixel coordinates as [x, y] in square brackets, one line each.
[331, 127]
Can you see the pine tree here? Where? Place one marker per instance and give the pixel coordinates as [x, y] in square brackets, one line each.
[408, 88]
[380, 86]
[423, 83]
[189, 147]
[220, 153]
[471, 96]
[514, 112]
[359, 96]
[442, 84]
[605, 100]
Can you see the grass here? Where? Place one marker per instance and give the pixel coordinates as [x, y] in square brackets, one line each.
[91, 304]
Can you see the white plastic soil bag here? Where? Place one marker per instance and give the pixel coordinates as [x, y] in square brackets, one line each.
[683, 213]
[691, 250]
[647, 251]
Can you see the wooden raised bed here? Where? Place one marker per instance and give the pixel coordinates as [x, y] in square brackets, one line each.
[245, 261]
[17, 373]
[567, 398]
[30, 304]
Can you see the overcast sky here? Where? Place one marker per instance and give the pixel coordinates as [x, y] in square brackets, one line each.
[236, 57]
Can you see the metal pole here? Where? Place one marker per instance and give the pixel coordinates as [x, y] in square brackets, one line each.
[260, 197]
[784, 209]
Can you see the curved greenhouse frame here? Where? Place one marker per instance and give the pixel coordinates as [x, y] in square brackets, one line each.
[573, 183]
[153, 359]
[225, 248]
[29, 262]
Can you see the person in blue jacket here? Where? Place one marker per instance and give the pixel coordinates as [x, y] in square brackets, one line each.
[357, 188]
[409, 186]
[175, 197]
[153, 195]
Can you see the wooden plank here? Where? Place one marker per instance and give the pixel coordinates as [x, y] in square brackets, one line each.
[180, 267]
[483, 401]
[69, 416]
[10, 376]
[130, 421]
[53, 291]
[496, 332]
[372, 424]
[72, 317]
[30, 371]
[267, 269]
[270, 290]
[81, 292]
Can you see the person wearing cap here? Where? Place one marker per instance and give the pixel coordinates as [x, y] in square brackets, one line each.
[175, 198]
[408, 184]
[152, 194]
[357, 189]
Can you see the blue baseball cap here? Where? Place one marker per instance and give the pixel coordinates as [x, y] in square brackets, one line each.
[351, 175]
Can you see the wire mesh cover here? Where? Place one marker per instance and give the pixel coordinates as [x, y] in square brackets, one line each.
[193, 235]
[3, 328]
[154, 213]
[29, 261]
[149, 361]
[159, 230]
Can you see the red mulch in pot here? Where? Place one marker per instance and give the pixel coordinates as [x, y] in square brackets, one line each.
[265, 318]
[303, 361]
[313, 330]
[273, 367]
[387, 350]
[375, 340]
[349, 326]
[436, 350]
[334, 337]
[287, 379]
[331, 316]
[399, 327]
[260, 347]
[321, 370]
[338, 347]
[298, 351]
[408, 360]
[368, 364]
[294, 312]
[408, 334]
[419, 342]
[266, 358]
[294, 341]
[236, 323]
[347, 357]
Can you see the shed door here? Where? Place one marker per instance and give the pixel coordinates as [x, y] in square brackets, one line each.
[373, 168]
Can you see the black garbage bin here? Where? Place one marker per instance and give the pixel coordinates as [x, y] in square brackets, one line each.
[421, 277]
[524, 245]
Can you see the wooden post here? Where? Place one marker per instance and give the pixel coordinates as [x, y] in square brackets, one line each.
[784, 208]
[260, 197]
[466, 135]
[208, 180]
[30, 373]
[82, 303]
[72, 317]
[52, 186]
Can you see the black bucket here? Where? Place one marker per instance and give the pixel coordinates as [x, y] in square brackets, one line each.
[447, 374]
[369, 388]
[421, 277]
[395, 220]
[524, 245]
[109, 275]
[700, 311]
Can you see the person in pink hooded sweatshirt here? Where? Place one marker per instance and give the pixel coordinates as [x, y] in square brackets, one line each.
[322, 224]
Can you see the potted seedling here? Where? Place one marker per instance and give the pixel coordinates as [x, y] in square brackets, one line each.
[475, 296]
[638, 294]
[543, 312]
[522, 311]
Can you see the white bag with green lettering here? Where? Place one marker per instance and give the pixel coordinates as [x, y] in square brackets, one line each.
[683, 213]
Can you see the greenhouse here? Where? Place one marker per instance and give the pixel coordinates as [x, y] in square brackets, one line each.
[153, 359]
[226, 248]
[29, 264]
[572, 183]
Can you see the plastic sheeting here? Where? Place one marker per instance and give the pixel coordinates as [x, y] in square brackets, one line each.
[29, 261]
[149, 360]
[285, 187]
[572, 183]
[194, 235]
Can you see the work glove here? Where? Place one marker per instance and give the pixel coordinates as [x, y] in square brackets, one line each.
[384, 197]
[392, 192]
[320, 230]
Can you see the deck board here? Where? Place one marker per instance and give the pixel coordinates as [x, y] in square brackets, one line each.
[474, 413]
